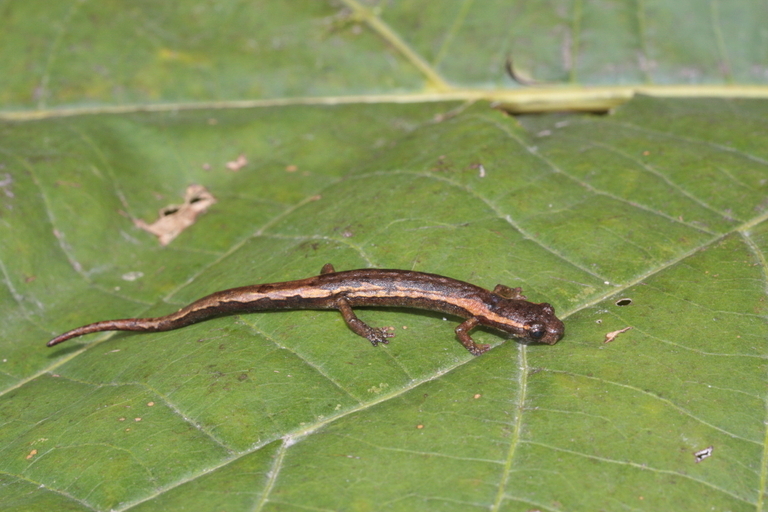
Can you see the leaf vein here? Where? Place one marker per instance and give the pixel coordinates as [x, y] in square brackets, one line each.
[642, 467]
[666, 401]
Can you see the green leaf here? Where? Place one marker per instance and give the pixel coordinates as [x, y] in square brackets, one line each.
[662, 202]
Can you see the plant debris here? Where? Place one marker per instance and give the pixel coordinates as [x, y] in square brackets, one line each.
[614, 334]
[174, 219]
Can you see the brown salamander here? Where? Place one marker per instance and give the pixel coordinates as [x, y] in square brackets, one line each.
[504, 309]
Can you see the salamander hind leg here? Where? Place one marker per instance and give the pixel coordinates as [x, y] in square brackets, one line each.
[372, 334]
[462, 332]
[509, 293]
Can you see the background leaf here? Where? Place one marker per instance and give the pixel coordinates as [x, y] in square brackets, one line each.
[662, 202]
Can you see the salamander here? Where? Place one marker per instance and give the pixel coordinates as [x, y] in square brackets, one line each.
[503, 309]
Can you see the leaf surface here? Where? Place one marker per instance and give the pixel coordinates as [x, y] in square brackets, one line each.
[661, 203]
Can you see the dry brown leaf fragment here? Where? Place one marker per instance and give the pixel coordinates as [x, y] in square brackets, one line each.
[176, 218]
[237, 164]
[614, 334]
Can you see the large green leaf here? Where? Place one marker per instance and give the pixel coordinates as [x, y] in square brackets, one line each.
[662, 202]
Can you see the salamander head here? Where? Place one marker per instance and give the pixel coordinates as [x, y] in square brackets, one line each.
[546, 328]
[529, 321]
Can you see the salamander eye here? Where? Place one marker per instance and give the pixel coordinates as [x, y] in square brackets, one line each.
[536, 331]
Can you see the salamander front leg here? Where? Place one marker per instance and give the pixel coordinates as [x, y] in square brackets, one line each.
[372, 334]
[462, 332]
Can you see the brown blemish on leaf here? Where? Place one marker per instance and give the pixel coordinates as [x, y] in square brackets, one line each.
[237, 164]
[613, 334]
[176, 218]
[31, 454]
